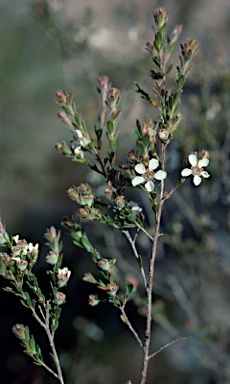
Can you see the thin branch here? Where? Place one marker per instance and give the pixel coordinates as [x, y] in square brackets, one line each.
[131, 327]
[52, 345]
[168, 345]
[133, 246]
[40, 309]
[43, 325]
[48, 369]
[51, 340]
[144, 230]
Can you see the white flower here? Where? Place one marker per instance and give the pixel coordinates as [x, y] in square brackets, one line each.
[15, 238]
[82, 139]
[147, 175]
[31, 247]
[64, 274]
[196, 168]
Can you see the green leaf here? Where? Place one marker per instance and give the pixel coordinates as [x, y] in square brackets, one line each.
[156, 46]
[140, 147]
[86, 244]
[140, 263]
[178, 71]
[180, 81]
[53, 359]
[156, 60]
[169, 68]
[159, 39]
[110, 127]
[98, 132]
[24, 303]
[177, 97]
[169, 50]
[135, 135]
[32, 344]
[139, 130]
[113, 144]
[145, 140]
[170, 102]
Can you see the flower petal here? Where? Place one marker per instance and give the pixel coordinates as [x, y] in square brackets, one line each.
[149, 186]
[186, 172]
[203, 162]
[160, 175]
[205, 174]
[197, 180]
[78, 150]
[140, 168]
[79, 133]
[192, 159]
[153, 164]
[137, 180]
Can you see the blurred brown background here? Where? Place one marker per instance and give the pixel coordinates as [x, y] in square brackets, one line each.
[50, 45]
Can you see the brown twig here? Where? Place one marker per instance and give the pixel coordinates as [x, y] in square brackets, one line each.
[168, 345]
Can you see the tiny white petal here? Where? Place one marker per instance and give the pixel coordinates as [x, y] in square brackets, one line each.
[186, 172]
[160, 175]
[192, 159]
[140, 168]
[203, 163]
[15, 238]
[79, 134]
[137, 180]
[78, 150]
[197, 180]
[205, 174]
[149, 186]
[136, 209]
[30, 247]
[25, 250]
[153, 164]
[17, 259]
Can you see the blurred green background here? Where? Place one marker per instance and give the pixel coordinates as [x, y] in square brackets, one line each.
[50, 45]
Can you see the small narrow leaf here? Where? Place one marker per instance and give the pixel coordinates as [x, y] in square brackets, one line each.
[139, 130]
[122, 317]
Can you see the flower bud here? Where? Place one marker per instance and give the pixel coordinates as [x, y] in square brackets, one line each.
[93, 300]
[59, 298]
[62, 147]
[62, 96]
[21, 331]
[103, 82]
[163, 134]
[160, 17]
[104, 264]
[21, 264]
[89, 278]
[120, 201]
[108, 192]
[176, 33]
[52, 258]
[112, 288]
[16, 250]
